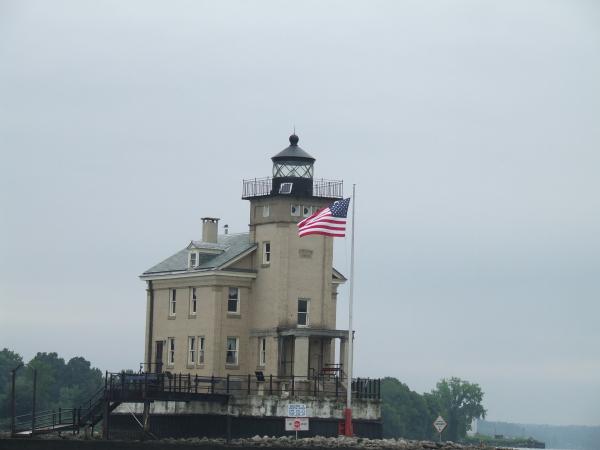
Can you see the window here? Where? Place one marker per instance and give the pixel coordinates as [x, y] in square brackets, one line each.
[232, 350]
[262, 351]
[307, 211]
[295, 210]
[266, 253]
[285, 188]
[266, 210]
[233, 301]
[303, 320]
[200, 349]
[191, 350]
[193, 259]
[193, 301]
[172, 301]
[171, 352]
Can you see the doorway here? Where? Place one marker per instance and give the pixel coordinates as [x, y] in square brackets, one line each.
[158, 360]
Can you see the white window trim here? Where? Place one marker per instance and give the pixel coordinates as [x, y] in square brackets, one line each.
[236, 351]
[170, 352]
[262, 352]
[298, 210]
[266, 210]
[191, 360]
[196, 256]
[309, 213]
[172, 302]
[266, 255]
[307, 313]
[193, 307]
[239, 299]
[201, 349]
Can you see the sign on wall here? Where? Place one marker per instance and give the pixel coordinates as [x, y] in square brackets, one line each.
[296, 424]
[296, 410]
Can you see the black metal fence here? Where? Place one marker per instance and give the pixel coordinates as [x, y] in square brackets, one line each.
[62, 418]
[46, 420]
[124, 385]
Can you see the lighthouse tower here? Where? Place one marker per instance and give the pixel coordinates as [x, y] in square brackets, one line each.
[294, 294]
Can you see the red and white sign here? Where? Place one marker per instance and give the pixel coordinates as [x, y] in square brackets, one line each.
[296, 424]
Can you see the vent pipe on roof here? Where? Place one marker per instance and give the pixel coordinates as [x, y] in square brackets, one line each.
[210, 228]
[226, 228]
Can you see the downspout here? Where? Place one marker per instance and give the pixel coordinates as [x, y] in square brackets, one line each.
[150, 326]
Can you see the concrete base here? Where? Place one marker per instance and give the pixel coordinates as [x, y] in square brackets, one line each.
[262, 406]
[124, 426]
[244, 416]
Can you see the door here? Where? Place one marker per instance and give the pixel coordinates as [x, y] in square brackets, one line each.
[158, 360]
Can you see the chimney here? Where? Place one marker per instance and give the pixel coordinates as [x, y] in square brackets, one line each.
[210, 229]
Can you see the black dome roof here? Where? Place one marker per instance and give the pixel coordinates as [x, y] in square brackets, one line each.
[293, 152]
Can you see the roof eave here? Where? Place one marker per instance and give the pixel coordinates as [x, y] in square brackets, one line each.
[195, 273]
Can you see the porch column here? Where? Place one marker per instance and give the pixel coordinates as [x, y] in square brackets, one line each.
[301, 356]
[343, 352]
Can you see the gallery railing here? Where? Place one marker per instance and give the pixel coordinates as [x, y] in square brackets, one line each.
[259, 187]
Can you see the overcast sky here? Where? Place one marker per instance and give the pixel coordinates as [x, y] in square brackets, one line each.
[470, 127]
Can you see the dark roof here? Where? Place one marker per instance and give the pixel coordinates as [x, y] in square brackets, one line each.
[293, 151]
[231, 246]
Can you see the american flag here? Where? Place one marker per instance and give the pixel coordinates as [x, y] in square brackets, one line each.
[330, 221]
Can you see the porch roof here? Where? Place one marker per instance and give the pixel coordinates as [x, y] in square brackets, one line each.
[302, 332]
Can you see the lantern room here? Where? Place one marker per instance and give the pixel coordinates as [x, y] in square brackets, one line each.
[293, 170]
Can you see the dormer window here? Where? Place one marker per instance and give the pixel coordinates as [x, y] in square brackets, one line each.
[193, 259]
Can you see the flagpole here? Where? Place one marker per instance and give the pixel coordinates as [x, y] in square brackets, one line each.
[348, 431]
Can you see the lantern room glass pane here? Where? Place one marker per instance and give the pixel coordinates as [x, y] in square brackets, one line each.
[294, 169]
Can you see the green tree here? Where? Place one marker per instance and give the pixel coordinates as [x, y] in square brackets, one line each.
[81, 380]
[459, 402]
[58, 384]
[51, 371]
[405, 413]
[9, 360]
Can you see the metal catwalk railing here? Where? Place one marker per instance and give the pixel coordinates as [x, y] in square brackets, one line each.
[259, 187]
[121, 384]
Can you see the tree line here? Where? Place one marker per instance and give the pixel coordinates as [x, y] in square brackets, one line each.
[410, 415]
[59, 383]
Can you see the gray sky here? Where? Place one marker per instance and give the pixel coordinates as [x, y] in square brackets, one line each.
[470, 127]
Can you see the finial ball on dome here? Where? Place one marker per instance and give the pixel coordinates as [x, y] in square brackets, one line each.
[294, 139]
